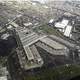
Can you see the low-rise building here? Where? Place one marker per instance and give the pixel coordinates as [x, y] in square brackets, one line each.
[64, 27]
[4, 74]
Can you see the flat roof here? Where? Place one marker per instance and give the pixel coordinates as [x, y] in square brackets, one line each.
[65, 22]
[52, 43]
[68, 31]
[35, 52]
[28, 53]
[14, 24]
[62, 24]
[3, 78]
[51, 20]
[59, 25]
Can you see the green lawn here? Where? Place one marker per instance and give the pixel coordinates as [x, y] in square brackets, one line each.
[48, 30]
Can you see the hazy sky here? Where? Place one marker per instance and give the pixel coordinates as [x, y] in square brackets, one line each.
[42, 1]
[26, 0]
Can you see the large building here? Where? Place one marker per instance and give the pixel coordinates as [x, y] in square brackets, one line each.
[64, 27]
[30, 58]
[28, 41]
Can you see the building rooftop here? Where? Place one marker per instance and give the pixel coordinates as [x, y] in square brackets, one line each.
[28, 53]
[62, 24]
[64, 27]
[29, 39]
[3, 78]
[68, 30]
[52, 43]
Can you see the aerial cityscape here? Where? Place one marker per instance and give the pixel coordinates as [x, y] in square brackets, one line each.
[39, 40]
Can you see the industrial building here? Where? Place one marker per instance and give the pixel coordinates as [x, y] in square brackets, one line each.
[28, 40]
[29, 58]
[64, 27]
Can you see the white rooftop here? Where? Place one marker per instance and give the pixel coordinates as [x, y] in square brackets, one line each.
[41, 1]
[33, 3]
[51, 20]
[28, 24]
[29, 53]
[5, 36]
[68, 31]
[3, 78]
[65, 22]
[9, 27]
[59, 25]
[62, 24]
[46, 6]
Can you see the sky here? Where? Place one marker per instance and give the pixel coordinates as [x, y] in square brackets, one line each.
[28, 0]
[42, 1]
[25, 0]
